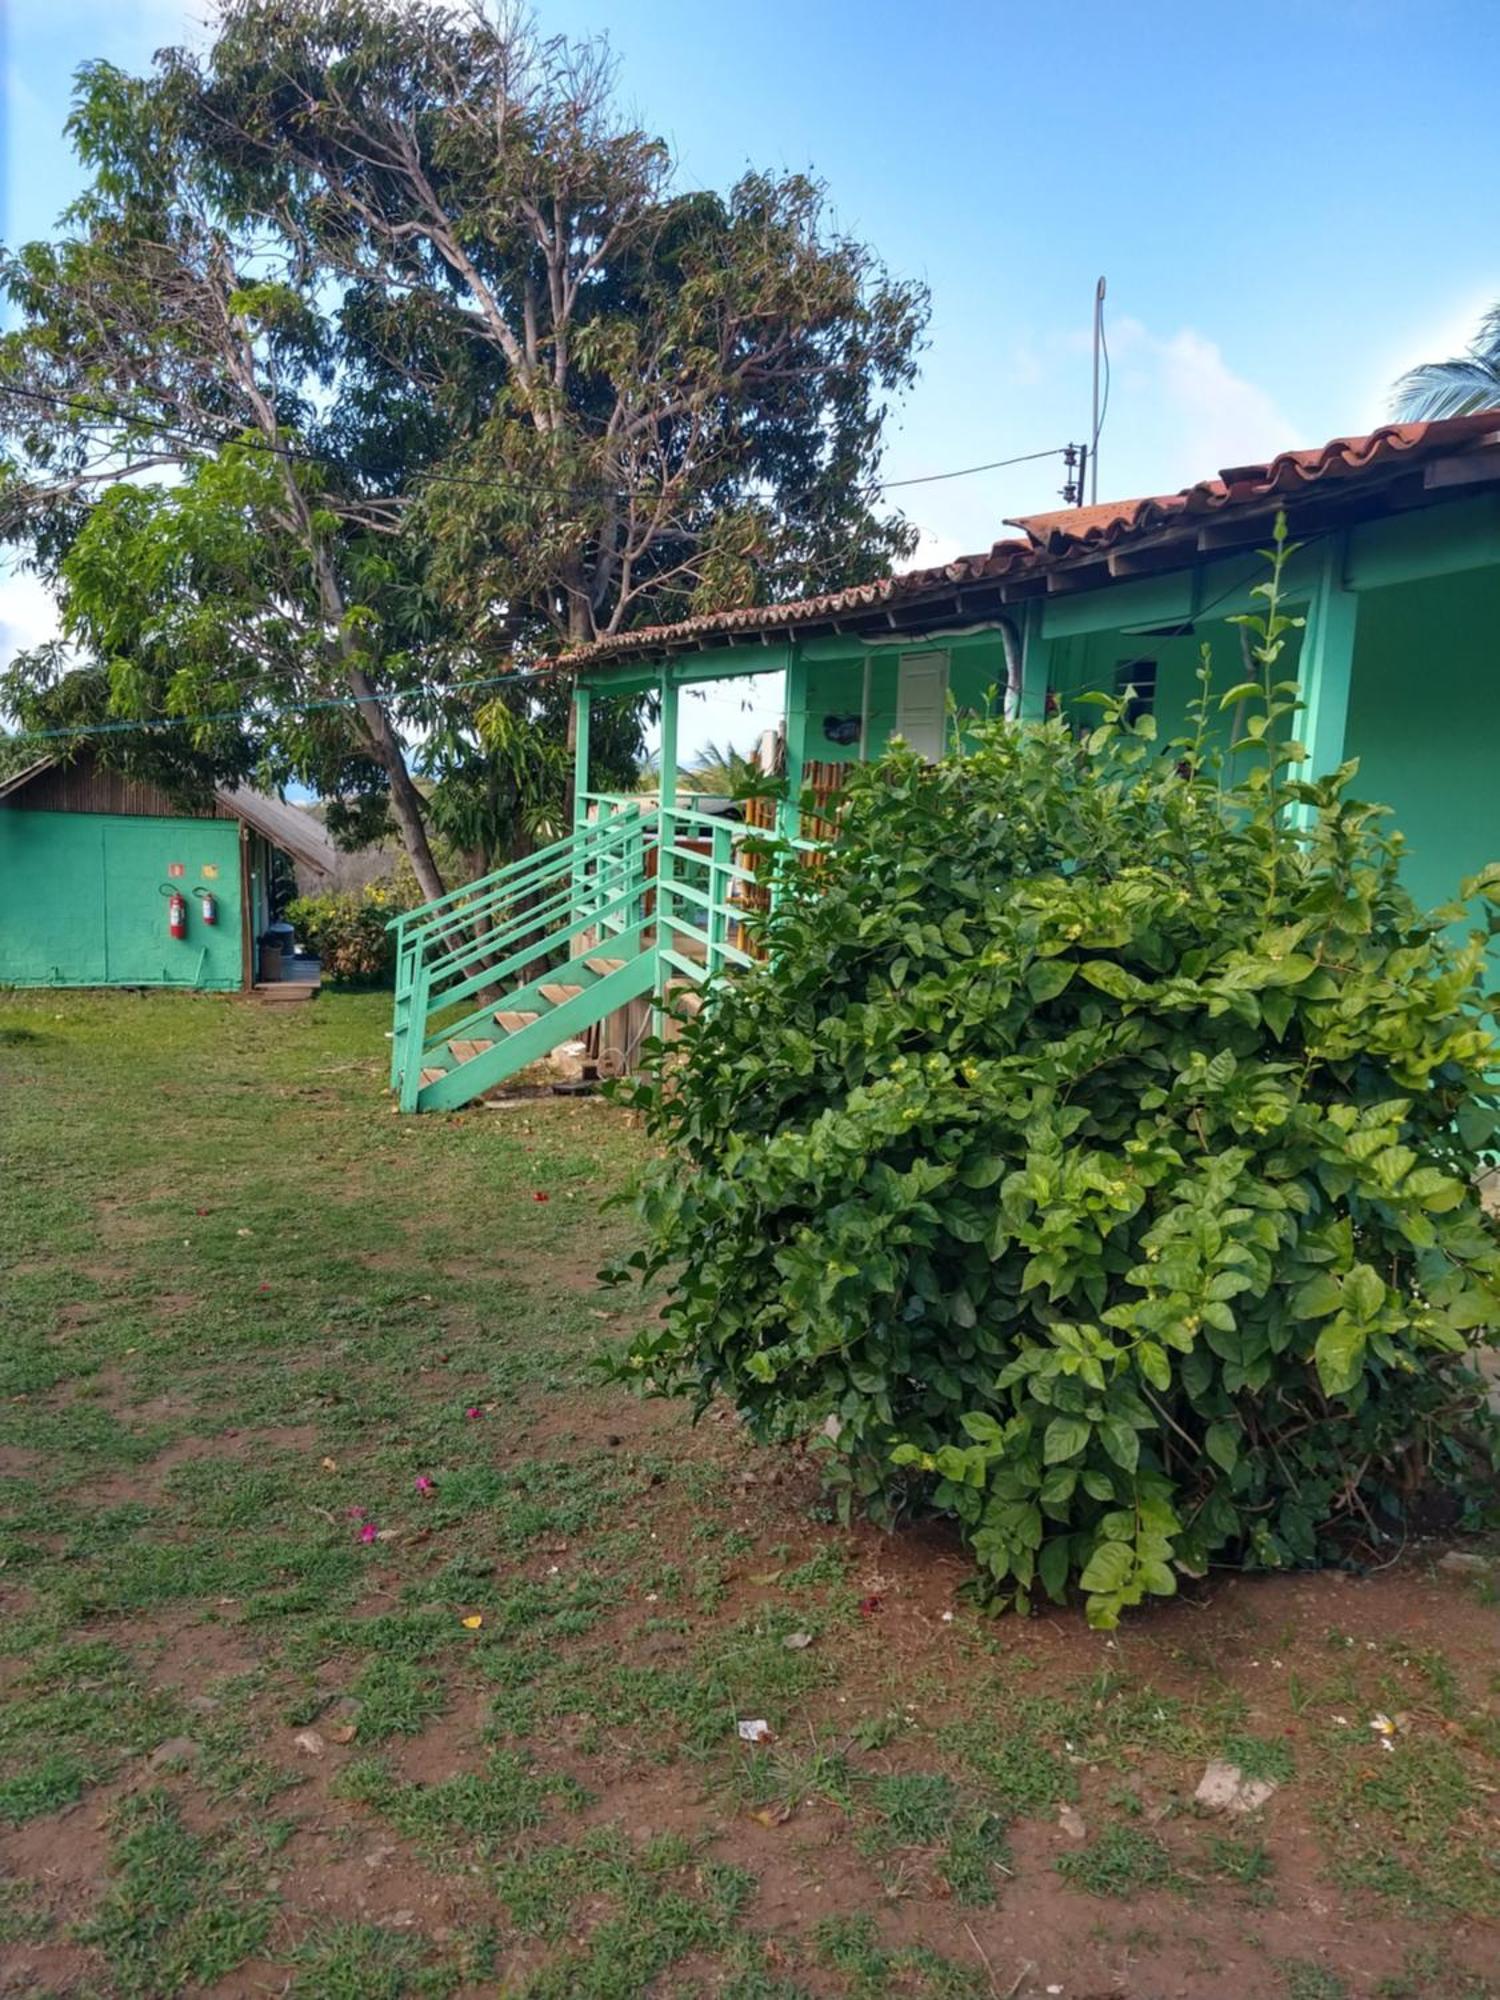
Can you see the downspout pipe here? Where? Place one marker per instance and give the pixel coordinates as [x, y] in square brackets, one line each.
[1010, 638]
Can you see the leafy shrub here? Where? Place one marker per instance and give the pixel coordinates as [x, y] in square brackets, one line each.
[346, 929]
[1093, 1159]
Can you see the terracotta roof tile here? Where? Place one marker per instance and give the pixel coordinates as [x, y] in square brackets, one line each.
[1050, 538]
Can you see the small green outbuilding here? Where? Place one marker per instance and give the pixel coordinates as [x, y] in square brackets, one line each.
[90, 859]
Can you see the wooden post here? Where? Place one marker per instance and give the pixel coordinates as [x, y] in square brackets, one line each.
[789, 816]
[582, 705]
[666, 833]
[1036, 667]
[668, 785]
[578, 881]
[719, 879]
[1326, 673]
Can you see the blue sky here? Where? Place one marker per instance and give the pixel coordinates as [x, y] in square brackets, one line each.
[1292, 202]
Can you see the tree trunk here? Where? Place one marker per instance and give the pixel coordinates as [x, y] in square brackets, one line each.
[406, 800]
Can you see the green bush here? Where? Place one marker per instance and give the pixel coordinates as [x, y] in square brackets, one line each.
[346, 929]
[1093, 1160]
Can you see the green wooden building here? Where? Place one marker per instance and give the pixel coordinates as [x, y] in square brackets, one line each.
[87, 856]
[1397, 576]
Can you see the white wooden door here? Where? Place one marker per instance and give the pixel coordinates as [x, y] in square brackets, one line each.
[922, 703]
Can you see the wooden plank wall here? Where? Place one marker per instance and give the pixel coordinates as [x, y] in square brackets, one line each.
[86, 786]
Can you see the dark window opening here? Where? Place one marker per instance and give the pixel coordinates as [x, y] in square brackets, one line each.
[1135, 682]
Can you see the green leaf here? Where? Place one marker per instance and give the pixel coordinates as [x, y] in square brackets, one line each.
[1109, 1567]
[1158, 1577]
[1154, 1364]
[1066, 1437]
[1364, 1292]
[1052, 1567]
[1049, 977]
[1113, 979]
[1222, 1443]
[1340, 1355]
[1121, 1442]
[1318, 1297]
[981, 1427]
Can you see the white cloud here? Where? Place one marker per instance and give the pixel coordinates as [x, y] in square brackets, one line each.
[1176, 400]
[28, 615]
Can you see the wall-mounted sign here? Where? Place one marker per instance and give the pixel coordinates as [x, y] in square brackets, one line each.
[210, 871]
[175, 868]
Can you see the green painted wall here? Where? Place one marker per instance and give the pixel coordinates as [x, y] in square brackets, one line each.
[80, 902]
[1092, 663]
[1424, 721]
[1424, 691]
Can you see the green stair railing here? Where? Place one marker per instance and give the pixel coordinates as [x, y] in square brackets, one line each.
[640, 899]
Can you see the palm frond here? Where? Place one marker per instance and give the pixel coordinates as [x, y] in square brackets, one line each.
[1456, 388]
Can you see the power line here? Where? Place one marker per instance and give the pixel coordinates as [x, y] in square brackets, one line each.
[151, 724]
[188, 440]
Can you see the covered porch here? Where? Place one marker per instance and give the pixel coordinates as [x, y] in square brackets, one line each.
[1395, 575]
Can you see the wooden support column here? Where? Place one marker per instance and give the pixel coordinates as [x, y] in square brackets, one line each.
[1326, 673]
[582, 708]
[668, 692]
[666, 937]
[789, 814]
[1036, 667]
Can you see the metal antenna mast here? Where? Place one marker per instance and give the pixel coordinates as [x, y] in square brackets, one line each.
[1099, 348]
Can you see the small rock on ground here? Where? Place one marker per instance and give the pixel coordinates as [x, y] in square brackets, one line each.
[1225, 1788]
[176, 1750]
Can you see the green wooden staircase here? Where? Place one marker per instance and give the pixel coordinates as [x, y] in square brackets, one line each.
[493, 976]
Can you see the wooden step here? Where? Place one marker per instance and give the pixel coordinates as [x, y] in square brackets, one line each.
[286, 992]
[604, 966]
[432, 1075]
[513, 1022]
[466, 1051]
[558, 993]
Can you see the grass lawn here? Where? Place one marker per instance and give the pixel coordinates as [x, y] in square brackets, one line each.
[355, 1643]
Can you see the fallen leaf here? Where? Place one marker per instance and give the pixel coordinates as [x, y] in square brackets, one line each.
[868, 1606]
[795, 1642]
[767, 1576]
[773, 1815]
[1070, 1819]
[473, 1622]
[758, 1731]
[309, 1742]
[330, 1465]
[344, 1732]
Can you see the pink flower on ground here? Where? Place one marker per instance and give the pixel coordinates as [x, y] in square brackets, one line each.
[424, 1484]
[540, 1194]
[368, 1532]
[473, 1411]
[356, 1513]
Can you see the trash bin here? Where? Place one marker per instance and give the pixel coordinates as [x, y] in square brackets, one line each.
[275, 943]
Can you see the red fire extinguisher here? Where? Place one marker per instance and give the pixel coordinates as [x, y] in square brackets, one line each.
[208, 909]
[176, 910]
